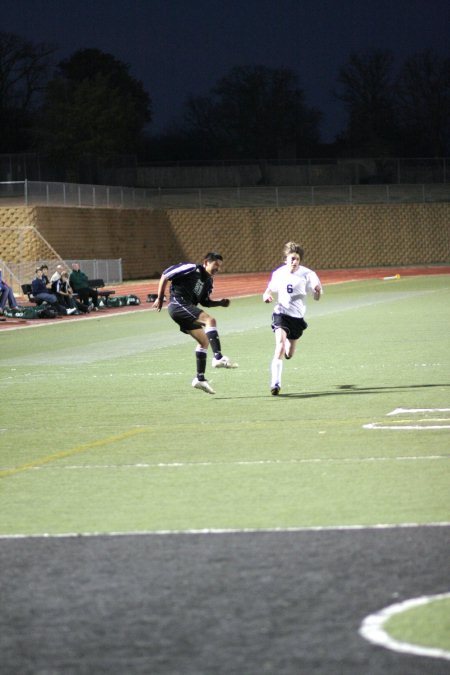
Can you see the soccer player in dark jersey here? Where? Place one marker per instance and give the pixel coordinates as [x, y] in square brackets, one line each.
[191, 285]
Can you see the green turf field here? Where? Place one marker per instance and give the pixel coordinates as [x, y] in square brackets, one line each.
[428, 625]
[101, 430]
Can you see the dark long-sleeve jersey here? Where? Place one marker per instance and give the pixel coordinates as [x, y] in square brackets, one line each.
[190, 283]
[38, 286]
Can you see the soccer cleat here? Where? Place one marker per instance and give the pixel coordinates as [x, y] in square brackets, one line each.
[275, 389]
[72, 310]
[224, 362]
[203, 385]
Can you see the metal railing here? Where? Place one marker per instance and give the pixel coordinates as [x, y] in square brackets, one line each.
[39, 193]
[109, 270]
[127, 170]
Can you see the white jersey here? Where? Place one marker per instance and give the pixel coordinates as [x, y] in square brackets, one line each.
[292, 289]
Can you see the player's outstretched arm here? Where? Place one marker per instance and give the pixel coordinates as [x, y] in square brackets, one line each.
[160, 295]
[267, 296]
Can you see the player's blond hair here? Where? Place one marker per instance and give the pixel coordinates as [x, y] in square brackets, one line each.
[292, 247]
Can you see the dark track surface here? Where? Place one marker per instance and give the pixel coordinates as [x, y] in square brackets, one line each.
[213, 604]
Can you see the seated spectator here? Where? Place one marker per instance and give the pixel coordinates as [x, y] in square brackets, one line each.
[42, 293]
[57, 274]
[6, 295]
[80, 285]
[64, 293]
[45, 279]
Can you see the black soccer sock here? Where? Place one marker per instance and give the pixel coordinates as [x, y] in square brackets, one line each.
[214, 341]
[200, 357]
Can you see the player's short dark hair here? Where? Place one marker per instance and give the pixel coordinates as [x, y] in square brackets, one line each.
[211, 256]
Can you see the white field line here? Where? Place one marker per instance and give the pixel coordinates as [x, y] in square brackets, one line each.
[401, 411]
[249, 530]
[422, 424]
[258, 462]
[102, 315]
[409, 427]
[54, 322]
[372, 628]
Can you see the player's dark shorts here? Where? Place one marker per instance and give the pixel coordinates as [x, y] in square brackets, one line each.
[292, 326]
[184, 314]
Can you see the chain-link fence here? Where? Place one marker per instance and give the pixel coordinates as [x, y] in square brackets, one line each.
[17, 273]
[37, 193]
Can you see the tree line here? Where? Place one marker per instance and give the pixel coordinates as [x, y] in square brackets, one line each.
[90, 105]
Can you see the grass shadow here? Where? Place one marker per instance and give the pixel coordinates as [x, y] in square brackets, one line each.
[354, 389]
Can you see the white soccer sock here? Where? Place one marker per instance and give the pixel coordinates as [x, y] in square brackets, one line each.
[275, 370]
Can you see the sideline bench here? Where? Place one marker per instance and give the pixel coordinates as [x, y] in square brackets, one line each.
[99, 286]
[28, 291]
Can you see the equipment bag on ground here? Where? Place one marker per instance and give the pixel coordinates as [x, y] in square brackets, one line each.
[43, 311]
[122, 300]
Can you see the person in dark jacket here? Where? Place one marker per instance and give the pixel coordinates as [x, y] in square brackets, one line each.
[80, 285]
[41, 293]
[65, 295]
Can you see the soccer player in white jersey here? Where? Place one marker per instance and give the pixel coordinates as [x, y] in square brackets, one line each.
[292, 282]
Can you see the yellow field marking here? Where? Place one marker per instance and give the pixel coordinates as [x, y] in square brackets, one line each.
[72, 451]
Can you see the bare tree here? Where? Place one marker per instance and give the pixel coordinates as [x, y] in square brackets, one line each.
[23, 75]
[92, 107]
[254, 112]
[367, 92]
[423, 93]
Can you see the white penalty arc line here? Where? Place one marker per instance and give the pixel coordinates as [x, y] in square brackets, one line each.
[372, 628]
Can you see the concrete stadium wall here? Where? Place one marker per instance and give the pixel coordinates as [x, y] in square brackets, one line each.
[249, 239]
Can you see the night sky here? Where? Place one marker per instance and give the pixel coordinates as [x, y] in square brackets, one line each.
[182, 47]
